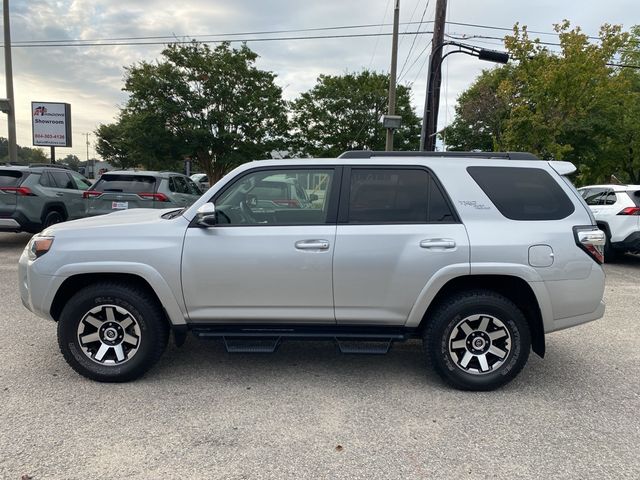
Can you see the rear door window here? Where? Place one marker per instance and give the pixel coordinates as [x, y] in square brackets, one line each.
[126, 183]
[10, 178]
[81, 182]
[62, 179]
[523, 193]
[380, 195]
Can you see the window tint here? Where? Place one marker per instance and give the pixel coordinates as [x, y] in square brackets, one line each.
[635, 196]
[62, 180]
[523, 193]
[193, 189]
[45, 180]
[282, 197]
[81, 182]
[181, 185]
[600, 196]
[10, 178]
[396, 196]
[126, 183]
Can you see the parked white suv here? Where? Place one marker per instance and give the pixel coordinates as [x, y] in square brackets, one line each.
[617, 212]
[478, 254]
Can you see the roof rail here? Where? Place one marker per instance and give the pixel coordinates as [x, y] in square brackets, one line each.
[493, 155]
[49, 165]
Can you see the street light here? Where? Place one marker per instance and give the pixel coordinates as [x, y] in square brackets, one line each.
[432, 102]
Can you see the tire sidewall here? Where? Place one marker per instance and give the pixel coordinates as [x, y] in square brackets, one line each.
[52, 214]
[518, 329]
[73, 313]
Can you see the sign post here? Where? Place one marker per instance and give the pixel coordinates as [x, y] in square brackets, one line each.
[51, 124]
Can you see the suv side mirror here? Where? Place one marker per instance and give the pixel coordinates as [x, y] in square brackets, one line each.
[206, 215]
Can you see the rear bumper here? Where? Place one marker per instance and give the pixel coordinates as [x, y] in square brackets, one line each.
[18, 222]
[632, 242]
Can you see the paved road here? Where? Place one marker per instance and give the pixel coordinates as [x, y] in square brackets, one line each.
[307, 412]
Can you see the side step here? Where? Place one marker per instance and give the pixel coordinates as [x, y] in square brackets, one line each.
[364, 346]
[251, 344]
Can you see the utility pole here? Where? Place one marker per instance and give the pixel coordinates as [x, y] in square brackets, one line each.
[432, 102]
[8, 72]
[391, 111]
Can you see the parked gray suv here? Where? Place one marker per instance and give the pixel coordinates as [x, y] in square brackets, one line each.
[36, 197]
[478, 254]
[128, 189]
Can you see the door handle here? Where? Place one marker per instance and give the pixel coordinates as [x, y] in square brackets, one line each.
[445, 243]
[312, 244]
[59, 194]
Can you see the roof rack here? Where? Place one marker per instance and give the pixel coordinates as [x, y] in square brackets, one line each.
[49, 165]
[496, 155]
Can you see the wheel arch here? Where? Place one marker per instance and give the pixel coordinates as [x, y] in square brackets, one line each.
[50, 206]
[514, 288]
[76, 282]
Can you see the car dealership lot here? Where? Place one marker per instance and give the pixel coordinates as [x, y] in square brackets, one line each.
[309, 412]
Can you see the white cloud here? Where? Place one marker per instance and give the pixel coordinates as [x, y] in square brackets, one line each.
[91, 78]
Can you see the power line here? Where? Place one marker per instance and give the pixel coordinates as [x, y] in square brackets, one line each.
[241, 40]
[274, 32]
[414, 39]
[375, 48]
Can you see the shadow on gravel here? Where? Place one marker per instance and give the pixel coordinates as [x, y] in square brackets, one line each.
[14, 239]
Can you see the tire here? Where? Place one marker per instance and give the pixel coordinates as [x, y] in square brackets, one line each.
[112, 332]
[52, 217]
[475, 324]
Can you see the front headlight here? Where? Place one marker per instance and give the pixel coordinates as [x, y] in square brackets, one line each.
[38, 246]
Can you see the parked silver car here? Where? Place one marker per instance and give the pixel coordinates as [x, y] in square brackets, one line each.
[480, 255]
[127, 189]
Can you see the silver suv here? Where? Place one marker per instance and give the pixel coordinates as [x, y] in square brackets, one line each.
[479, 255]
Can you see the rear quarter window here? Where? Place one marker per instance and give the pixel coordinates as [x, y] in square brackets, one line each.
[523, 193]
[10, 178]
[126, 184]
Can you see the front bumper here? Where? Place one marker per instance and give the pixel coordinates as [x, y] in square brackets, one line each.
[36, 289]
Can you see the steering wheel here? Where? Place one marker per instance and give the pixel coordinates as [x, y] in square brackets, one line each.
[246, 211]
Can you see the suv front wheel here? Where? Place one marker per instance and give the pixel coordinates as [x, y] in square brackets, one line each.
[112, 332]
[477, 340]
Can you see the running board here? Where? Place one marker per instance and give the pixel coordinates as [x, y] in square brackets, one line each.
[264, 339]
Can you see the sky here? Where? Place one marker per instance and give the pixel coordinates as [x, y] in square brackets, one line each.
[90, 78]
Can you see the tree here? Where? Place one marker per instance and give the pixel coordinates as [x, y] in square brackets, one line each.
[72, 161]
[26, 155]
[480, 114]
[343, 113]
[212, 105]
[570, 105]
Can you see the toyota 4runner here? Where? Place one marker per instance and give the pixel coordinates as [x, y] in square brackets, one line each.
[478, 254]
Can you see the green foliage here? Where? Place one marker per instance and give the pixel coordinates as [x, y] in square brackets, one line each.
[569, 105]
[26, 155]
[72, 161]
[343, 113]
[213, 105]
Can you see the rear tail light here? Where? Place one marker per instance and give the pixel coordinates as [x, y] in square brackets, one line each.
[158, 197]
[630, 211]
[91, 194]
[21, 191]
[591, 240]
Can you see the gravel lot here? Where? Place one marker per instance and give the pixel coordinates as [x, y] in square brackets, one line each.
[308, 412]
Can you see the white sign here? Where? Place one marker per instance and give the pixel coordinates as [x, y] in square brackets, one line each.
[51, 124]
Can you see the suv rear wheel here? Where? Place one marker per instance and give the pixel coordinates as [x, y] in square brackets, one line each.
[111, 332]
[52, 218]
[477, 340]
